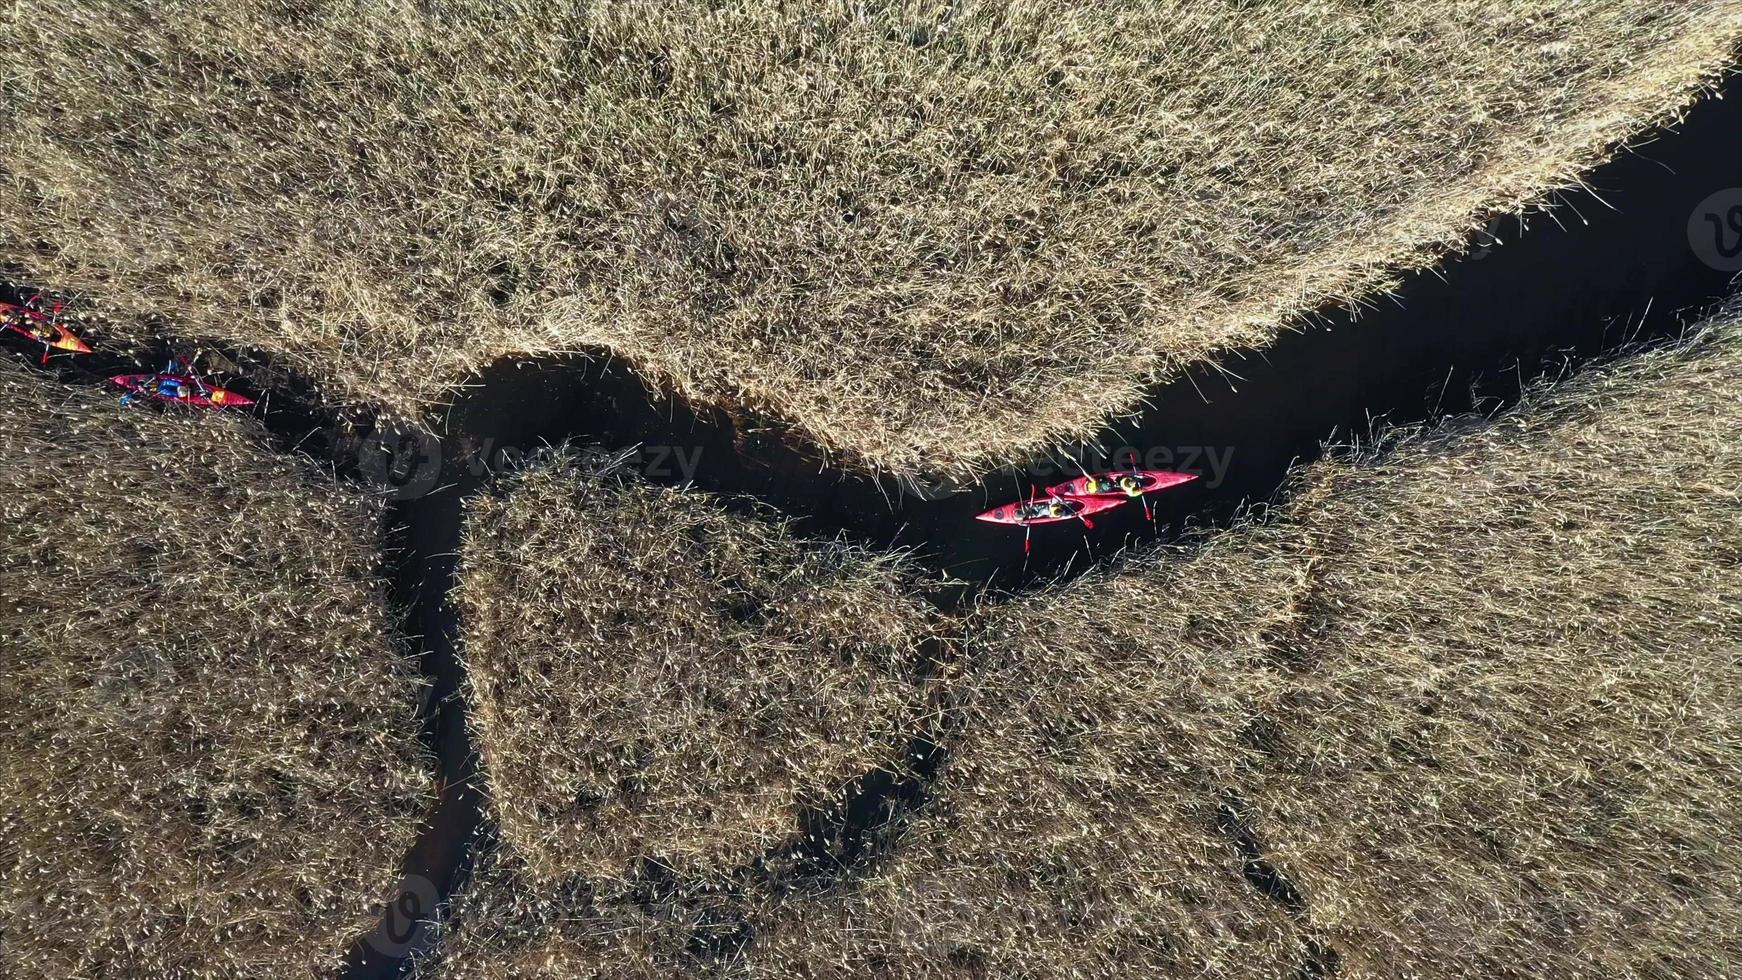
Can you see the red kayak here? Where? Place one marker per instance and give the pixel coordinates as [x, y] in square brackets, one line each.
[1123, 484]
[1049, 510]
[179, 389]
[43, 328]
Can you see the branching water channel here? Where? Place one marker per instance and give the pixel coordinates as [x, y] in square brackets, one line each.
[1607, 267]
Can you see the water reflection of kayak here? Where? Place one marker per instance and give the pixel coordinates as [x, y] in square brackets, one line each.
[1049, 510]
[1125, 483]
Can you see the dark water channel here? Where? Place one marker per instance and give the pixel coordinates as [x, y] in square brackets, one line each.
[1605, 267]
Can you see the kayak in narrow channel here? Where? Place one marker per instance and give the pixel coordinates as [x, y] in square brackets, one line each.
[1124, 483]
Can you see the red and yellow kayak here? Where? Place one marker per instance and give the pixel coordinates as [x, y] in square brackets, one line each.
[1123, 484]
[180, 389]
[40, 327]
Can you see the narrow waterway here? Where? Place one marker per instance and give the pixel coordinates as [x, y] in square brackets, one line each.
[1606, 267]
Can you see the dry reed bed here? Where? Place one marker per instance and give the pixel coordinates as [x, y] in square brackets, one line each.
[932, 236]
[507, 924]
[1475, 699]
[1077, 832]
[212, 767]
[1466, 707]
[654, 678]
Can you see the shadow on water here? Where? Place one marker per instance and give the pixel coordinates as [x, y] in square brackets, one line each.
[424, 536]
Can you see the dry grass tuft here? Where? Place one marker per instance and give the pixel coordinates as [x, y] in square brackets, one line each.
[935, 236]
[212, 766]
[1472, 702]
[1077, 832]
[1508, 739]
[654, 678]
[506, 924]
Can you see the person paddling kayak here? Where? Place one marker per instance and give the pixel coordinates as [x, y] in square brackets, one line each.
[1127, 483]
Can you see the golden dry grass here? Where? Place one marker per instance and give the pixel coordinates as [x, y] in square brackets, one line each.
[651, 677]
[507, 924]
[1470, 702]
[1077, 831]
[211, 757]
[1478, 695]
[1508, 744]
[933, 236]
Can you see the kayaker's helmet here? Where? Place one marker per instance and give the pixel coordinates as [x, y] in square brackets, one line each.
[1057, 508]
[1131, 484]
